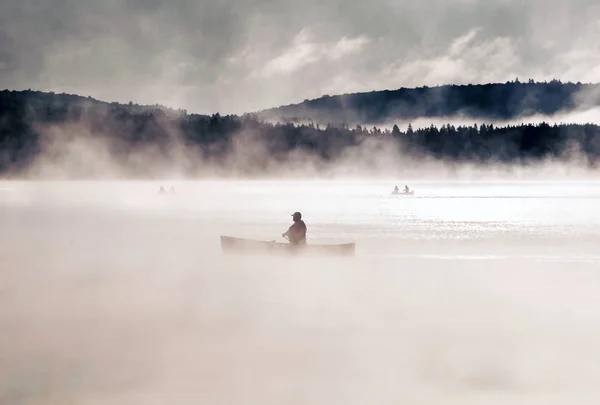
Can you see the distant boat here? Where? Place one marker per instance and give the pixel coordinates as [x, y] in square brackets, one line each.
[238, 245]
[412, 192]
[162, 191]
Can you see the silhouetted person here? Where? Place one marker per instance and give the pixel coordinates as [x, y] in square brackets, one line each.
[405, 188]
[162, 190]
[296, 233]
[396, 189]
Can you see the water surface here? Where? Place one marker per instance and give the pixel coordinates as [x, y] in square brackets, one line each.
[466, 293]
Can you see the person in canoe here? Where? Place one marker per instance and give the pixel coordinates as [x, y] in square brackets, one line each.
[396, 189]
[296, 233]
[405, 188]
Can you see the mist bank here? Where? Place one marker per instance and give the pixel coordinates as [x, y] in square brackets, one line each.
[46, 135]
[490, 102]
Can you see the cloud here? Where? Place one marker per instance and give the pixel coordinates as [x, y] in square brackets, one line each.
[209, 56]
[306, 51]
[468, 59]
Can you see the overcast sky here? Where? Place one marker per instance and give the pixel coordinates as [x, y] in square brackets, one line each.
[245, 55]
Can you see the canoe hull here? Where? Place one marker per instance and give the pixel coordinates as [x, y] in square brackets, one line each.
[403, 193]
[238, 245]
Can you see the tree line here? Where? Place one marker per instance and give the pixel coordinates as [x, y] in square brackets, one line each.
[25, 116]
[492, 101]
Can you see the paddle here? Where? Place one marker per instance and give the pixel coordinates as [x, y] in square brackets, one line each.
[274, 241]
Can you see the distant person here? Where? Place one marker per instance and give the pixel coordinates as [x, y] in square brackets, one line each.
[172, 189]
[405, 188]
[296, 233]
[396, 189]
[162, 190]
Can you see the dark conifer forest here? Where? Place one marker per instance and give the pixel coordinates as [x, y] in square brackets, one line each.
[494, 101]
[25, 117]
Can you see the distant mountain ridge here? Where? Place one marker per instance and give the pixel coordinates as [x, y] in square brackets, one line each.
[493, 101]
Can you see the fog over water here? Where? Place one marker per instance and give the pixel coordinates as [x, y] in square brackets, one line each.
[482, 288]
[466, 293]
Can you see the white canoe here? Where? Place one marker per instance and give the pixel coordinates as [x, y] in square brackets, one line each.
[238, 245]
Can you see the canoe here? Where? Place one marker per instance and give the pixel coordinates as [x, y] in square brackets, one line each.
[230, 244]
[403, 192]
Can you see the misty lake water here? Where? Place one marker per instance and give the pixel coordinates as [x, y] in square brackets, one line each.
[552, 219]
[466, 292]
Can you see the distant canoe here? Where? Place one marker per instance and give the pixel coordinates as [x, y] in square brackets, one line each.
[238, 245]
[403, 192]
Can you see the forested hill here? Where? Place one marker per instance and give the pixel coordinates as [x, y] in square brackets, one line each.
[30, 123]
[496, 101]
